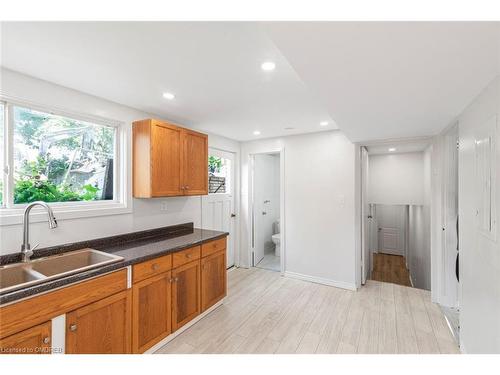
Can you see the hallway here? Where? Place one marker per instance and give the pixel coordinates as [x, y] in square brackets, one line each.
[390, 269]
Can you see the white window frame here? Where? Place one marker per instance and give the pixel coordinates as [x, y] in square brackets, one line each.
[12, 214]
[229, 181]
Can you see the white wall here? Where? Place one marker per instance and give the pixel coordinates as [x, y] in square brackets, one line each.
[266, 188]
[145, 213]
[396, 178]
[419, 252]
[479, 255]
[319, 210]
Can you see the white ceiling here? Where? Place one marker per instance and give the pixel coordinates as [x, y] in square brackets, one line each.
[212, 68]
[382, 80]
[375, 80]
[400, 147]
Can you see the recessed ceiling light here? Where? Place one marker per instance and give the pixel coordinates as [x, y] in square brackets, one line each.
[168, 95]
[289, 128]
[256, 132]
[268, 66]
[392, 149]
[323, 123]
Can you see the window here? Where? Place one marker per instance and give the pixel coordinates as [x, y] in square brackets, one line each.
[58, 159]
[67, 160]
[219, 169]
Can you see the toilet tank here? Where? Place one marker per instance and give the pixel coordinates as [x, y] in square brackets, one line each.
[276, 227]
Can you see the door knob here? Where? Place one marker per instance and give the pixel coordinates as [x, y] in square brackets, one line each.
[46, 340]
[233, 215]
[264, 213]
[72, 327]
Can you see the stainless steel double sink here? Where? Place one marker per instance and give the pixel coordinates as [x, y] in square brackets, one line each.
[21, 275]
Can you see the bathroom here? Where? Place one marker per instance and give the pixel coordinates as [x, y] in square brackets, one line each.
[266, 211]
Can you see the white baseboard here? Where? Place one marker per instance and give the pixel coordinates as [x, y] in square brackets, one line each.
[321, 280]
[172, 336]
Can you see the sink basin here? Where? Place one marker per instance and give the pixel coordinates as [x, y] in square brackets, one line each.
[21, 275]
[12, 276]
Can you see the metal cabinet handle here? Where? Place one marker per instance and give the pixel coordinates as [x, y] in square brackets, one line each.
[176, 279]
[186, 187]
[154, 266]
[46, 340]
[72, 327]
[189, 256]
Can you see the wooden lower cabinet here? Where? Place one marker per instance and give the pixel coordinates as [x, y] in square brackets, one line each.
[151, 311]
[35, 340]
[213, 279]
[186, 301]
[102, 327]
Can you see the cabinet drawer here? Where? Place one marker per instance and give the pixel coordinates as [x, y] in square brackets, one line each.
[185, 256]
[213, 247]
[151, 267]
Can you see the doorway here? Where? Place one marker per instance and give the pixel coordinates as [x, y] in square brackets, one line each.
[390, 244]
[218, 209]
[266, 221]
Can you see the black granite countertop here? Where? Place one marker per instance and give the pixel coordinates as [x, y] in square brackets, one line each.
[134, 247]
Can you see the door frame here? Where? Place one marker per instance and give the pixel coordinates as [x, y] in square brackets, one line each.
[366, 263]
[251, 212]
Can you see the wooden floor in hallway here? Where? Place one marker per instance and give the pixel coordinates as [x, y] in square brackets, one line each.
[268, 313]
[390, 269]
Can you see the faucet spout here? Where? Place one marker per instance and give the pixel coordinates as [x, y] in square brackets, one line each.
[26, 251]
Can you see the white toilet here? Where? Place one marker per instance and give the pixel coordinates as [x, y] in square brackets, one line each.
[276, 238]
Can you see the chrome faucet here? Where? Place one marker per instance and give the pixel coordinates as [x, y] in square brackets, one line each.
[26, 251]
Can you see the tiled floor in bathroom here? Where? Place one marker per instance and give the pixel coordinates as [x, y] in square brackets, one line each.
[270, 261]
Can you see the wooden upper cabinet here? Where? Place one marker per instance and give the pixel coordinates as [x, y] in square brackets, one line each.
[168, 160]
[195, 163]
[102, 327]
[34, 340]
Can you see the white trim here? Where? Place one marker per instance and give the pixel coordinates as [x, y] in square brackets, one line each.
[12, 214]
[58, 334]
[129, 277]
[321, 280]
[173, 335]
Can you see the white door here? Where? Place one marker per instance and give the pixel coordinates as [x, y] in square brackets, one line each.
[218, 206]
[450, 217]
[390, 219]
[365, 218]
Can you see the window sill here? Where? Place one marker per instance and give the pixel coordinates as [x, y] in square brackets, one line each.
[14, 216]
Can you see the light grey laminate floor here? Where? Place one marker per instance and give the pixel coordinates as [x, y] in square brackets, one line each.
[267, 313]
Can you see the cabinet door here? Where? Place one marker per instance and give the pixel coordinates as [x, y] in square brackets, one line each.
[35, 340]
[151, 317]
[166, 161]
[102, 327]
[185, 294]
[195, 154]
[213, 279]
